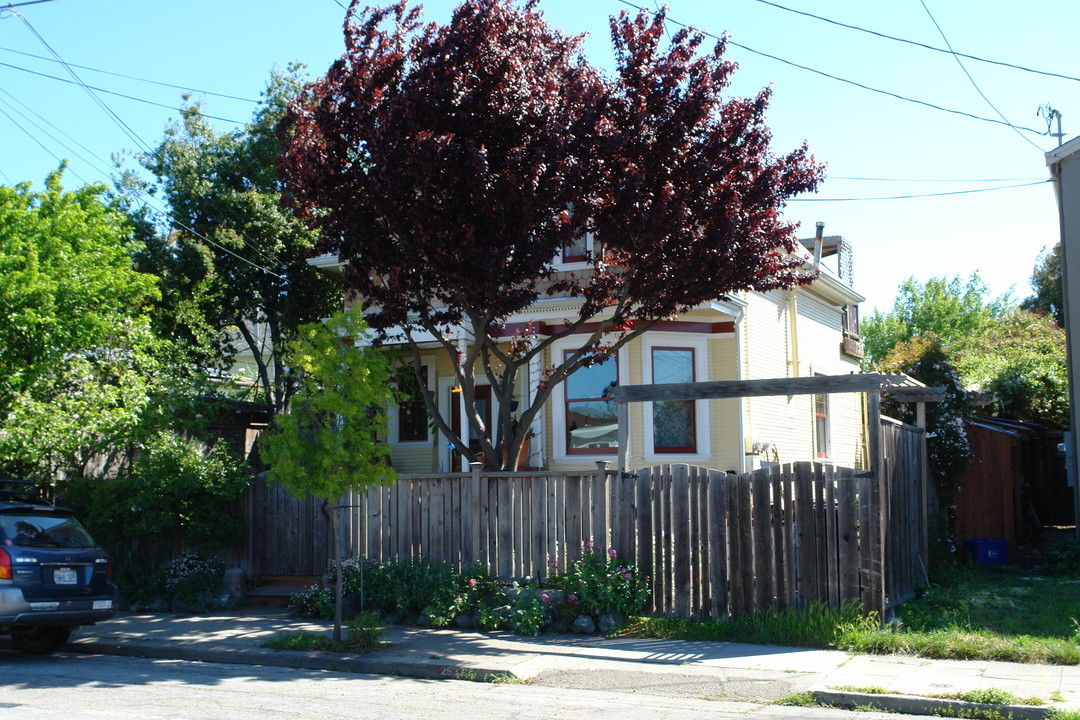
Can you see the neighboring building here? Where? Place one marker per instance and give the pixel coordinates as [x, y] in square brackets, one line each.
[1064, 164]
[811, 330]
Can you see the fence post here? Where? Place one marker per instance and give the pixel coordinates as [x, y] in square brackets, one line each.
[599, 522]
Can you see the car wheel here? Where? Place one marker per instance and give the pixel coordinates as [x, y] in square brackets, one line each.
[40, 640]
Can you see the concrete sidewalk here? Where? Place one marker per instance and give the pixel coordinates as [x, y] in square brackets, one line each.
[756, 673]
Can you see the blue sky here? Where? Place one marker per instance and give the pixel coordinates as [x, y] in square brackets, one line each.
[876, 146]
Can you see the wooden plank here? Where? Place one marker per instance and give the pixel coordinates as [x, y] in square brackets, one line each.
[812, 385]
[764, 575]
[804, 534]
[517, 516]
[555, 551]
[504, 520]
[538, 489]
[790, 550]
[646, 540]
[572, 510]
[600, 525]
[746, 546]
[832, 537]
[666, 538]
[700, 539]
[622, 513]
[680, 535]
[735, 538]
[718, 576]
[780, 559]
[820, 534]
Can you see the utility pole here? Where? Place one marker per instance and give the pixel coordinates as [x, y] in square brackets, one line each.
[1050, 115]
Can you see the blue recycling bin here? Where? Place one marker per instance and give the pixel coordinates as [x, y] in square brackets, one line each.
[987, 551]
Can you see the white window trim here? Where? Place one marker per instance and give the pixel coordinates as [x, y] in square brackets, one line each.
[393, 412]
[558, 405]
[702, 422]
[590, 249]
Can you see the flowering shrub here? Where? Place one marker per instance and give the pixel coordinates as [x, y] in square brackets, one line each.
[312, 602]
[598, 582]
[528, 614]
[191, 581]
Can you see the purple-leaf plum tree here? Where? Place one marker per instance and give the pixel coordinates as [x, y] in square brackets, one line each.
[448, 166]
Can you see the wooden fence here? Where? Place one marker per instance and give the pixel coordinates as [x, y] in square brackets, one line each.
[714, 543]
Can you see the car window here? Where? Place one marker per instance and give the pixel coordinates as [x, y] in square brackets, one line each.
[47, 531]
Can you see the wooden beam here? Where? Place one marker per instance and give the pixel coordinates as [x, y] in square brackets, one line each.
[821, 384]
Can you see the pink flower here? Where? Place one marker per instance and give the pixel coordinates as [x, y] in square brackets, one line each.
[544, 597]
[572, 598]
[472, 582]
[611, 552]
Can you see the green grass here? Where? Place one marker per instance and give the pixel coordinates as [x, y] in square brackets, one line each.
[365, 634]
[970, 613]
[304, 641]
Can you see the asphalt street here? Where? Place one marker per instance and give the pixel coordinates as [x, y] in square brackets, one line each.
[68, 686]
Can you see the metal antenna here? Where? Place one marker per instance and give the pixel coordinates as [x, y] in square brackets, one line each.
[1050, 115]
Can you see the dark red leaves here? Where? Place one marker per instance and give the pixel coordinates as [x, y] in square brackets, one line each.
[441, 161]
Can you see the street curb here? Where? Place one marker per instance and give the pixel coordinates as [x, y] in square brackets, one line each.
[919, 705]
[297, 659]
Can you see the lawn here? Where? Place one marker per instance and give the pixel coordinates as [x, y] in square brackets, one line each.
[968, 612]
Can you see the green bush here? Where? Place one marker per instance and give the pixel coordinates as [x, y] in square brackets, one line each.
[598, 583]
[176, 496]
[312, 602]
[192, 582]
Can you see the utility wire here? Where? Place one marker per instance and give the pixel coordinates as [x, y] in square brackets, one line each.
[50, 135]
[839, 79]
[29, 2]
[129, 77]
[919, 44]
[112, 92]
[108, 111]
[926, 195]
[925, 180]
[972, 80]
[40, 144]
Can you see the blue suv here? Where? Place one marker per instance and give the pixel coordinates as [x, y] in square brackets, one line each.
[53, 577]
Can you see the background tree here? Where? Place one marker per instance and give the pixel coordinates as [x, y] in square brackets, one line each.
[1049, 291]
[447, 166]
[329, 442]
[1016, 355]
[232, 262]
[1020, 357]
[951, 309]
[80, 371]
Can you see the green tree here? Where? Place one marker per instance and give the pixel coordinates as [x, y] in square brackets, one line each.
[951, 309]
[79, 366]
[924, 358]
[329, 442]
[233, 264]
[1046, 282]
[1020, 358]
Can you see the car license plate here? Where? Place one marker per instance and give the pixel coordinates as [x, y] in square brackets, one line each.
[103, 604]
[65, 576]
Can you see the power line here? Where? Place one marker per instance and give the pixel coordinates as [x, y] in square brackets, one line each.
[131, 77]
[108, 111]
[972, 80]
[39, 143]
[28, 2]
[112, 92]
[918, 44]
[926, 195]
[925, 180]
[51, 136]
[838, 79]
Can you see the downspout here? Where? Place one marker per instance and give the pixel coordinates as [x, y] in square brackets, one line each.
[746, 426]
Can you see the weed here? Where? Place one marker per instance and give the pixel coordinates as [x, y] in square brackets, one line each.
[1056, 714]
[870, 690]
[506, 678]
[302, 641]
[993, 696]
[803, 699]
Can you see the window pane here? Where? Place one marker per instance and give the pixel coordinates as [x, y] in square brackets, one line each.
[673, 366]
[673, 420]
[412, 412]
[593, 382]
[592, 418]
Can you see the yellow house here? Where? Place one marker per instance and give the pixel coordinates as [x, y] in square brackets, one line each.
[806, 331]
